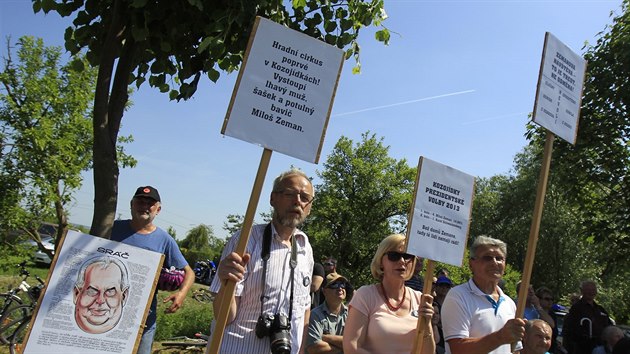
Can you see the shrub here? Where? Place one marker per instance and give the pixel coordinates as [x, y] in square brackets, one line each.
[193, 317]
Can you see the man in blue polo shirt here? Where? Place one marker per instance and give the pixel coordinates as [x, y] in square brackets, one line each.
[141, 232]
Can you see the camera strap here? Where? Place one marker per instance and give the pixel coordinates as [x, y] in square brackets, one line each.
[292, 264]
[264, 254]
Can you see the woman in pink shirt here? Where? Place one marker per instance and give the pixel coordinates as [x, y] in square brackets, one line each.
[383, 317]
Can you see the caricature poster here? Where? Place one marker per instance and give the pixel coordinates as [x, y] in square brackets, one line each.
[97, 297]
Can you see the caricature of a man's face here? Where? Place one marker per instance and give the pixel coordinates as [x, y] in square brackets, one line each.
[99, 303]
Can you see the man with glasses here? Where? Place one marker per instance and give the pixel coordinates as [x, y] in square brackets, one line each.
[330, 265]
[325, 329]
[545, 296]
[533, 307]
[477, 317]
[272, 288]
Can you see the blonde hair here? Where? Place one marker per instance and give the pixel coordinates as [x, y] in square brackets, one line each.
[389, 243]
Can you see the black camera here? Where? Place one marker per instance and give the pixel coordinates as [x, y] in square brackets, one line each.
[278, 329]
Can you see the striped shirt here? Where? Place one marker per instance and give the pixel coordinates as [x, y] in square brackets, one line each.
[239, 336]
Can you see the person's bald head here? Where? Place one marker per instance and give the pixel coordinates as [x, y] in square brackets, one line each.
[537, 338]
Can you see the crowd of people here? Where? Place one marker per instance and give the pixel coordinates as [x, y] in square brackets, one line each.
[285, 302]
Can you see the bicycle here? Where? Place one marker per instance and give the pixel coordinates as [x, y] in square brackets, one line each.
[185, 343]
[10, 304]
[203, 295]
[16, 314]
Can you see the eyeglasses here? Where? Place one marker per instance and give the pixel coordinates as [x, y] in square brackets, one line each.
[488, 259]
[337, 285]
[394, 256]
[291, 194]
[329, 264]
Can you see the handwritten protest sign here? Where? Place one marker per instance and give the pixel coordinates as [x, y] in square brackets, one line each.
[285, 90]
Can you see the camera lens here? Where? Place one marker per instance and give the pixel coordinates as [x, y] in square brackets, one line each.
[280, 335]
[280, 343]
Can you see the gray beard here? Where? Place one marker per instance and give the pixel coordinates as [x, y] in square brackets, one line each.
[288, 222]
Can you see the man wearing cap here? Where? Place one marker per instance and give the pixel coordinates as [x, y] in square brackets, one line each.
[442, 285]
[141, 232]
[325, 329]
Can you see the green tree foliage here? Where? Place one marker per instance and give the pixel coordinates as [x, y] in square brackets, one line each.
[503, 208]
[596, 170]
[171, 231]
[172, 44]
[594, 175]
[234, 222]
[364, 196]
[45, 134]
[201, 244]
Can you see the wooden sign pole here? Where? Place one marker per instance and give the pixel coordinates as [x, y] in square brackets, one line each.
[224, 302]
[535, 226]
[418, 341]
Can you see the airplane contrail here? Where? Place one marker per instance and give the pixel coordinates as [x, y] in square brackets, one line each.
[403, 103]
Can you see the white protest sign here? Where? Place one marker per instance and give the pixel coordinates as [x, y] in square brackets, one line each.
[96, 299]
[284, 93]
[559, 91]
[441, 213]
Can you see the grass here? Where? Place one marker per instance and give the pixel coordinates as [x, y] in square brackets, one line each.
[193, 317]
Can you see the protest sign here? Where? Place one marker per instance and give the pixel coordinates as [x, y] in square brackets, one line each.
[97, 297]
[441, 213]
[559, 90]
[284, 93]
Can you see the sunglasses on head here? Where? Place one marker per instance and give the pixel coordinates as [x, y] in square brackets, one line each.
[338, 285]
[394, 256]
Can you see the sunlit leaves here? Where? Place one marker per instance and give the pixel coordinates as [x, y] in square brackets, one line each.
[45, 115]
[594, 174]
[364, 196]
[172, 44]
[382, 36]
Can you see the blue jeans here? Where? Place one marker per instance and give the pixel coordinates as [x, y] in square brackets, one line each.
[147, 340]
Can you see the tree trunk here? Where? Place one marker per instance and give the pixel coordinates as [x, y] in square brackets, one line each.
[62, 219]
[106, 125]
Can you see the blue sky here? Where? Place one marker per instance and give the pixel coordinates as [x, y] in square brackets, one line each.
[456, 84]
